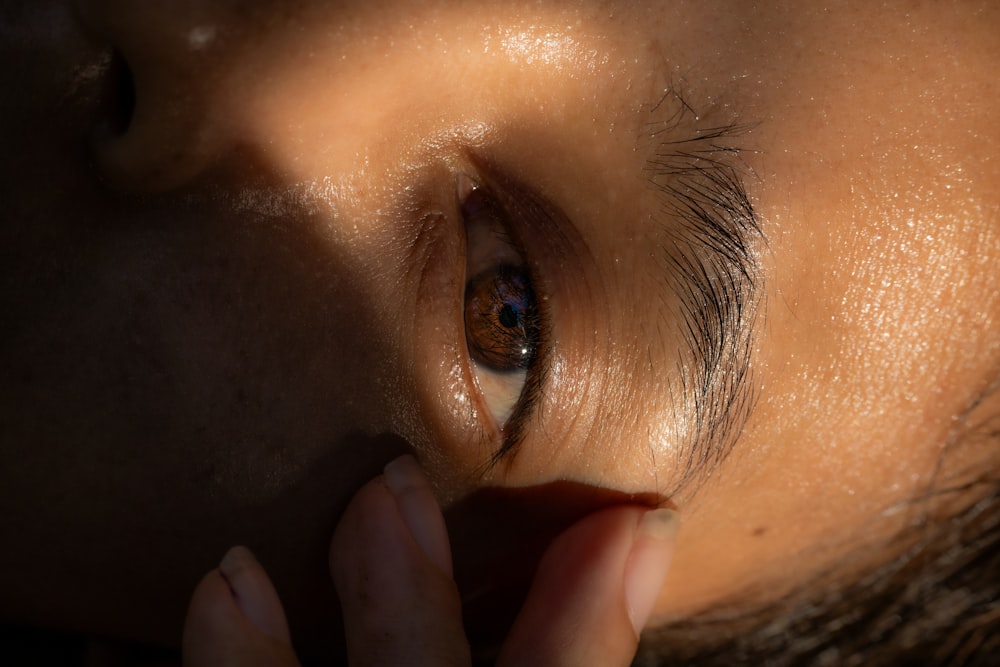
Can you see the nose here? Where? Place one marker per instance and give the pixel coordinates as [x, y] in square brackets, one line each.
[171, 60]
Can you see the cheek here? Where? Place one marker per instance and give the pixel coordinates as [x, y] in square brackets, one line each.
[882, 317]
[272, 349]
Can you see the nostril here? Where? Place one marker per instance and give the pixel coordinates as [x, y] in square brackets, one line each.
[119, 96]
[155, 127]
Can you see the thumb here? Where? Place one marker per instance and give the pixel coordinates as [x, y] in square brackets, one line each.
[594, 590]
[235, 618]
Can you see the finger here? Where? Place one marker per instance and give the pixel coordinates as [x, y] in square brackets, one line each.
[391, 564]
[235, 618]
[594, 591]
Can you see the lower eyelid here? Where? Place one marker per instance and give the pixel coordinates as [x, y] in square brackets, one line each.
[444, 383]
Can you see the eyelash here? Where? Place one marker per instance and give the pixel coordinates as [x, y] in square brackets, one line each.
[514, 429]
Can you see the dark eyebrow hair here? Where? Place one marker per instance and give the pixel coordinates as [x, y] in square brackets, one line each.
[711, 234]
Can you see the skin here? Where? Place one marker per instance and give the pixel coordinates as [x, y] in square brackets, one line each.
[390, 561]
[222, 320]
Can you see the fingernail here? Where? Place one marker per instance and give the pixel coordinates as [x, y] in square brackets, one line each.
[420, 509]
[253, 592]
[648, 563]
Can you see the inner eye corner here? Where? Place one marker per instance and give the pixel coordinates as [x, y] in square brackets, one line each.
[465, 185]
[474, 197]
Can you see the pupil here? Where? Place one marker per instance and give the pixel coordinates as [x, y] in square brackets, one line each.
[500, 319]
[508, 316]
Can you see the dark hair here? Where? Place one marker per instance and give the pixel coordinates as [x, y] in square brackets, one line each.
[936, 601]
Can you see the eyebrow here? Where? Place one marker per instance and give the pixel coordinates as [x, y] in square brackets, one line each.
[709, 260]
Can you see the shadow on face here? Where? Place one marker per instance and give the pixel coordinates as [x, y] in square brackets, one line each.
[191, 361]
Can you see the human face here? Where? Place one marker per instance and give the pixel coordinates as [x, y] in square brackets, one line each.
[246, 293]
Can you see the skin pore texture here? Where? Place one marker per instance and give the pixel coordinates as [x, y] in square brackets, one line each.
[233, 276]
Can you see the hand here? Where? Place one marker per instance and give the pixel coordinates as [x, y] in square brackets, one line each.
[390, 560]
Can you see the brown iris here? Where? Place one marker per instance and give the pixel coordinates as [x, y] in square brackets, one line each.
[501, 320]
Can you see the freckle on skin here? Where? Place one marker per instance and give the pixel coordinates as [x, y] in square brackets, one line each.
[759, 531]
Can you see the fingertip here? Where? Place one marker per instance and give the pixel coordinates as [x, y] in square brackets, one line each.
[254, 593]
[212, 606]
[419, 509]
[362, 529]
[594, 590]
[387, 516]
[213, 623]
[219, 631]
[648, 563]
[399, 603]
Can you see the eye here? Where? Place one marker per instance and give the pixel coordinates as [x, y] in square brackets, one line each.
[502, 322]
[500, 319]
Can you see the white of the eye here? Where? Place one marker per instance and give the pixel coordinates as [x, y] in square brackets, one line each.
[500, 390]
